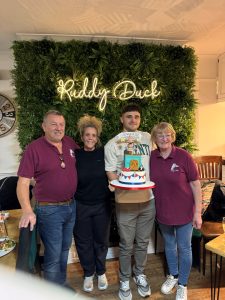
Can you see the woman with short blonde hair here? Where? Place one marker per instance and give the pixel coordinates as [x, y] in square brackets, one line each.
[91, 231]
[178, 205]
[91, 122]
[163, 128]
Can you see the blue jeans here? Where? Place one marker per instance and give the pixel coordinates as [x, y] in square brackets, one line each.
[177, 239]
[55, 226]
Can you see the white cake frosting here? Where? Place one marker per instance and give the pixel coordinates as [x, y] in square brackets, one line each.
[132, 177]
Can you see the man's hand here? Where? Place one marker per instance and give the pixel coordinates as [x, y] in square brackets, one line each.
[111, 188]
[28, 216]
[26, 219]
[111, 176]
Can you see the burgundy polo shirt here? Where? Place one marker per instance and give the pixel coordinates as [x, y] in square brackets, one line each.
[41, 160]
[173, 195]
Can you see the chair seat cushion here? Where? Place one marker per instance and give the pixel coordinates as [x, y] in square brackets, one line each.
[211, 229]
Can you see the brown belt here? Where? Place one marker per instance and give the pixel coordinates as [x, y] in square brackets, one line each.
[44, 203]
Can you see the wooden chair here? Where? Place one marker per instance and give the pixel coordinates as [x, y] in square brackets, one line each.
[28, 259]
[8, 196]
[209, 168]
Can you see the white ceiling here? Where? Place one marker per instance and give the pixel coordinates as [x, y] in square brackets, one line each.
[197, 23]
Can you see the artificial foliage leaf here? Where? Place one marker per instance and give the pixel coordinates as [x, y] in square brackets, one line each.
[40, 64]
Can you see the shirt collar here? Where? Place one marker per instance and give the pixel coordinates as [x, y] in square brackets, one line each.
[171, 155]
[47, 142]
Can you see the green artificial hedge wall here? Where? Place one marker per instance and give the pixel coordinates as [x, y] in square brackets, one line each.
[40, 64]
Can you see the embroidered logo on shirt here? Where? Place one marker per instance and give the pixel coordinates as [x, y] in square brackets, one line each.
[174, 168]
[72, 153]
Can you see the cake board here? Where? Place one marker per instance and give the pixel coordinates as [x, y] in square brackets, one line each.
[132, 187]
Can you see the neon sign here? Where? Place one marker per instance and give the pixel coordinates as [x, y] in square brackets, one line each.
[122, 90]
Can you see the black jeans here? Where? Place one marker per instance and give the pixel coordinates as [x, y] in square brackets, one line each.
[91, 235]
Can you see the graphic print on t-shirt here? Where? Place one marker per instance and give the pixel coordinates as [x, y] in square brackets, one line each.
[175, 168]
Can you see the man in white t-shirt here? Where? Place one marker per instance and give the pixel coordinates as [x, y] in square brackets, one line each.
[135, 210]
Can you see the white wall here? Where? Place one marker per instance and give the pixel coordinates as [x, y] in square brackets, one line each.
[9, 147]
[210, 115]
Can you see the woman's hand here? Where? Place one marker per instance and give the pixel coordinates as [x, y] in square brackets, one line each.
[197, 220]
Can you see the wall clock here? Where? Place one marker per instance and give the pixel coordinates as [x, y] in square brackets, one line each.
[7, 115]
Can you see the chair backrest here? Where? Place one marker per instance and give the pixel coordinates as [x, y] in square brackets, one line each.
[28, 249]
[209, 167]
[8, 197]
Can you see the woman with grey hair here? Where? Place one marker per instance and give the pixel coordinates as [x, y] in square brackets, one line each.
[178, 205]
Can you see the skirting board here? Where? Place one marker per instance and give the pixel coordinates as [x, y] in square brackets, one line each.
[113, 252]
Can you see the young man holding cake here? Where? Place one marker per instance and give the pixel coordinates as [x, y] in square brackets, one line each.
[135, 209]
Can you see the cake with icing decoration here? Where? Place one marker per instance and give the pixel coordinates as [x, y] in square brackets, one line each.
[133, 171]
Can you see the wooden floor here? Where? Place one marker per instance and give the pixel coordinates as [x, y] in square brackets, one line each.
[198, 287]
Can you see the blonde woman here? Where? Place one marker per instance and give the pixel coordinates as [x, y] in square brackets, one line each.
[91, 231]
[178, 205]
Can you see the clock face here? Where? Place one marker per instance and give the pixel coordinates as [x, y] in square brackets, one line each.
[7, 115]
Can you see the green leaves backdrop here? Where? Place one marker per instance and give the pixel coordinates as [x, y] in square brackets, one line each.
[39, 65]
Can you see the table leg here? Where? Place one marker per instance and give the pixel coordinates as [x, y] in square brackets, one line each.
[219, 280]
[215, 283]
[215, 279]
[211, 276]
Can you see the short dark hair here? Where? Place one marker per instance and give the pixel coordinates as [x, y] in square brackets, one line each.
[131, 107]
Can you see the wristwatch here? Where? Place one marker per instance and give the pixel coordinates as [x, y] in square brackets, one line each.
[7, 115]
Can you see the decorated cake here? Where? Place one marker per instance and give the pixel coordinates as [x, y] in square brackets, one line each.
[133, 171]
[132, 177]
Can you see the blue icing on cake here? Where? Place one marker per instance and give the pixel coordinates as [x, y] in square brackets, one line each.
[132, 157]
[133, 171]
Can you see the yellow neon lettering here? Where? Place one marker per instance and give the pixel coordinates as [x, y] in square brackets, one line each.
[124, 94]
[63, 89]
[122, 90]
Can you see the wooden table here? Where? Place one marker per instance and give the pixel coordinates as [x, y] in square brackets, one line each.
[216, 246]
[12, 225]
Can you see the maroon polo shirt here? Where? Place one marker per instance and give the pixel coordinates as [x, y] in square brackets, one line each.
[173, 195]
[41, 160]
